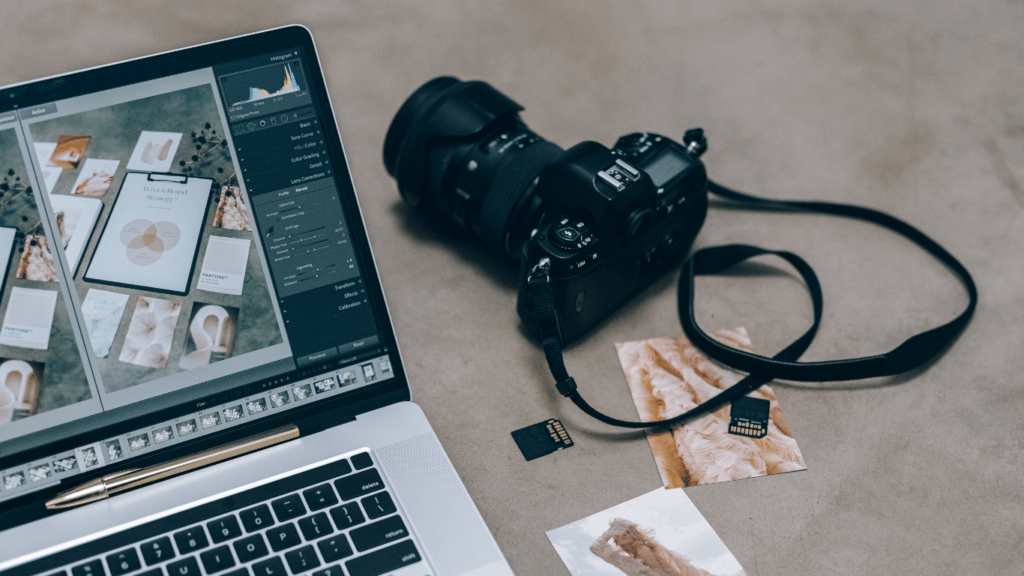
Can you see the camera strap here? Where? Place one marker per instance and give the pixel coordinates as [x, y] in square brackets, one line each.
[911, 354]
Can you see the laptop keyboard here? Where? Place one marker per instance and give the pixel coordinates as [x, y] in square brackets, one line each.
[334, 520]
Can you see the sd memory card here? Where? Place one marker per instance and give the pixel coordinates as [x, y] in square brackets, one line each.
[541, 439]
[749, 417]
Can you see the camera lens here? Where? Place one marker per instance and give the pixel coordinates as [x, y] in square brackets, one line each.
[459, 151]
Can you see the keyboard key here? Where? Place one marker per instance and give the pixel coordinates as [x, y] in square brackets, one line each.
[156, 551]
[152, 572]
[282, 537]
[94, 568]
[184, 567]
[362, 460]
[302, 559]
[256, 518]
[191, 539]
[123, 562]
[288, 507]
[379, 533]
[223, 529]
[384, 560]
[347, 516]
[320, 497]
[250, 548]
[340, 468]
[269, 567]
[239, 572]
[334, 548]
[65, 573]
[359, 484]
[332, 570]
[315, 526]
[218, 559]
[378, 505]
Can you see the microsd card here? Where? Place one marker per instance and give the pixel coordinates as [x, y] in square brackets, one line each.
[541, 439]
[749, 417]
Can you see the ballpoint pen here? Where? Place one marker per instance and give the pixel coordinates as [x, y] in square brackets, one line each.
[110, 484]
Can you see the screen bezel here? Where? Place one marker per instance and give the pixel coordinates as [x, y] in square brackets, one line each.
[313, 416]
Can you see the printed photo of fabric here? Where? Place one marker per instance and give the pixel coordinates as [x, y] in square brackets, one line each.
[668, 376]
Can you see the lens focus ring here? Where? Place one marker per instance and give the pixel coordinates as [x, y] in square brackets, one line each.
[508, 187]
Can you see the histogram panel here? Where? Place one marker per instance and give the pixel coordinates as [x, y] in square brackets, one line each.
[265, 82]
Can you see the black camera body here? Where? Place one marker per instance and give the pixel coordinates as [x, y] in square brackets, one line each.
[604, 223]
[615, 220]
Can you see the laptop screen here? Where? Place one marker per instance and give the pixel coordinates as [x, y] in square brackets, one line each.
[181, 256]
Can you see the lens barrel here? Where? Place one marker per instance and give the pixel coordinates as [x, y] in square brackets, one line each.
[459, 151]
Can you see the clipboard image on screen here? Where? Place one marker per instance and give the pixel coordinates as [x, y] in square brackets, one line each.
[151, 239]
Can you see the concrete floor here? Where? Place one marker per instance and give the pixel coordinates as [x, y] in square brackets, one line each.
[916, 108]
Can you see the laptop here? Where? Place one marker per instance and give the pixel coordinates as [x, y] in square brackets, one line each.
[185, 265]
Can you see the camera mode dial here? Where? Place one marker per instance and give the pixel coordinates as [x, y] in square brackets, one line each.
[637, 144]
[571, 235]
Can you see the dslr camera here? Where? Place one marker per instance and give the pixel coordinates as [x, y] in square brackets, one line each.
[602, 223]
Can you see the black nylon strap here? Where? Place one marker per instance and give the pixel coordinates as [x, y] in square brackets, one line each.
[911, 354]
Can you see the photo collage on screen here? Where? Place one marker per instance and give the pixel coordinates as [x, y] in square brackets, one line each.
[41, 368]
[157, 236]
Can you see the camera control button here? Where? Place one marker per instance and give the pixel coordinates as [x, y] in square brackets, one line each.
[569, 238]
[568, 234]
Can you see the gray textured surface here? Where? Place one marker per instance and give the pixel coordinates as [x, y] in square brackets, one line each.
[912, 107]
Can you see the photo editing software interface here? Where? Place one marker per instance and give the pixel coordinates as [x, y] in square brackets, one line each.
[176, 242]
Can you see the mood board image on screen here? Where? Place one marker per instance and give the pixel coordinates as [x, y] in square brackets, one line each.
[149, 234]
[42, 373]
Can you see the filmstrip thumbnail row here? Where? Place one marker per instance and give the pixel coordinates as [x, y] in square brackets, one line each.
[185, 428]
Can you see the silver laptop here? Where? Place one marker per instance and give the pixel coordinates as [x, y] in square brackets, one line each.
[185, 265]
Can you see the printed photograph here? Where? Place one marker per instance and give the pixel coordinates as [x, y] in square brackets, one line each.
[150, 333]
[211, 335]
[75, 219]
[51, 172]
[668, 376]
[154, 151]
[232, 213]
[658, 534]
[102, 311]
[95, 178]
[69, 151]
[21, 385]
[36, 261]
